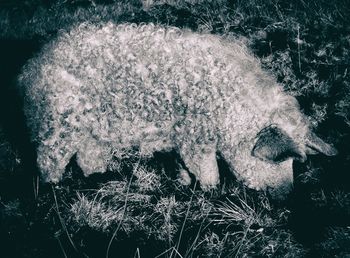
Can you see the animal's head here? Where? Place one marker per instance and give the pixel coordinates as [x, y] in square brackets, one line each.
[266, 162]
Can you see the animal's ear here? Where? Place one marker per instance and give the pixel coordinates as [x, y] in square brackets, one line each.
[316, 145]
[274, 145]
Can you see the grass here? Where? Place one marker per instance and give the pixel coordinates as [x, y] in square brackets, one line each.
[184, 222]
[139, 209]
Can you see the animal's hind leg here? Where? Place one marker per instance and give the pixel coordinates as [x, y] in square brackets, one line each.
[93, 156]
[201, 161]
[53, 157]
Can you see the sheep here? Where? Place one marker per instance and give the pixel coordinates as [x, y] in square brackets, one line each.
[100, 89]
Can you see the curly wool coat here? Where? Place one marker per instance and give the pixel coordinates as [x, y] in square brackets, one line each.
[101, 88]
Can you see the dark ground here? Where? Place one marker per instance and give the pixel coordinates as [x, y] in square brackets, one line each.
[306, 45]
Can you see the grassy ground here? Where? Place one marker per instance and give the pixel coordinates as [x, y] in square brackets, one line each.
[139, 209]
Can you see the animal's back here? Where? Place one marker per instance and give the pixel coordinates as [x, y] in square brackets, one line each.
[132, 80]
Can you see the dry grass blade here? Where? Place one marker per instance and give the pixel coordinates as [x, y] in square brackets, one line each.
[123, 213]
[63, 224]
[187, 214]
[230, 212]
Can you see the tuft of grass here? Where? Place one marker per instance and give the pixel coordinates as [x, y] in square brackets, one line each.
[253, 227]
[240, 212]
[148, 209]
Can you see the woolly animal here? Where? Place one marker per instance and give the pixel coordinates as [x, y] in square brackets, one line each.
[99, 89]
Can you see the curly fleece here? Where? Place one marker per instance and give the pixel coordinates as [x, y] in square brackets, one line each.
[99, 89]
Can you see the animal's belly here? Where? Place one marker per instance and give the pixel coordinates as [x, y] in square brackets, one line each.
[138, 133]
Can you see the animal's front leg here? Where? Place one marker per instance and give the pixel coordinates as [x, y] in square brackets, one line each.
[201, 161]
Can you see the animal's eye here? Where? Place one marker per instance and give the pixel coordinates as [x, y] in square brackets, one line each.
[274, 145]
